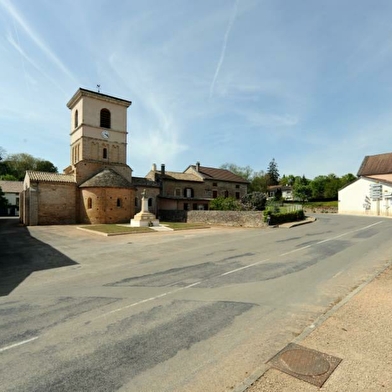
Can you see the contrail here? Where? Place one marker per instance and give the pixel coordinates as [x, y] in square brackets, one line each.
[222, 56]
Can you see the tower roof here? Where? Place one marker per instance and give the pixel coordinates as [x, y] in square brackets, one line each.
[81, 92]
[106, 178]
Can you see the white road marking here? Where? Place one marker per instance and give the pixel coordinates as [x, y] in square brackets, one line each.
[18, 344]
[241, 268]
[146, 300]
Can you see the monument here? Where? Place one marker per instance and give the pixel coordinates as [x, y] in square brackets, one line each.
[144, 218]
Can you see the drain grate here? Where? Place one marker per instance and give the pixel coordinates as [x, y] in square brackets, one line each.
[305, 364]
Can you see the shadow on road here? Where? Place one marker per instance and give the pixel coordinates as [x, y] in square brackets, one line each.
[21, 254]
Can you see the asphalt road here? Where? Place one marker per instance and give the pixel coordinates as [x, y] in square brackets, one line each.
[182, 311]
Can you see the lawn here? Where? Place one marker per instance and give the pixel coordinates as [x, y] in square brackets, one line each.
[113, 229]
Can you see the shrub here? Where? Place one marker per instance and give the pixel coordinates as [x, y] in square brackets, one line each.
[279, 218]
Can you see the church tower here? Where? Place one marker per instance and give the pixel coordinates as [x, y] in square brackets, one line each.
[98, 135]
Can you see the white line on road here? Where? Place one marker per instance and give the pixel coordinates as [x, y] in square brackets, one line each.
[146, 300]
[17, 344]
[241, 268]
[349, 232]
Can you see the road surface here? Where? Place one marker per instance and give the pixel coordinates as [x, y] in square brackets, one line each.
[192, 311]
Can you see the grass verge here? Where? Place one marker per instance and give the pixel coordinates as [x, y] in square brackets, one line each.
[113, 229]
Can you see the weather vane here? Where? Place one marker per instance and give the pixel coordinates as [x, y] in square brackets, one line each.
[99, 88]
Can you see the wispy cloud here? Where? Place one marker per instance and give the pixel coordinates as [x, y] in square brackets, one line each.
[9, 8]
[223, 51]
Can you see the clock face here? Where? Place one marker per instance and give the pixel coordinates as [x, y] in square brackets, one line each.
[105, 134]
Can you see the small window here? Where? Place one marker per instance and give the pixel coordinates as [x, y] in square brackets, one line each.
[150, 202]
[177, 192]
[214, 184]
[214, 194]
[76, 118]
[105, 119]
[237, 195]
[186, 206]
[195, 206]
[237, 187]
[226, 194]
[188, 192]
[89, 203]
[119, 202]
[105, 153]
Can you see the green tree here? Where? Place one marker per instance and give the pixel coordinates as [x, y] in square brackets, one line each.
[318, 187]
[273, 173]
[254, 201]
[347, 179]
[332, 186]
[224, 204]
[302, 189]
[244, 172]
[17, 164]
[259, 182]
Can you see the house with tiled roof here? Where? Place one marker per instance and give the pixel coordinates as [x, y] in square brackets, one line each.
[371, 193]
[11, 190]
[195, 187]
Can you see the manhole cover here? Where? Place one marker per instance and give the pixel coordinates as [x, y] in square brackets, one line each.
[305, 364]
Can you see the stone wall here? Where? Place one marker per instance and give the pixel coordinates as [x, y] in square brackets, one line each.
[228, 218]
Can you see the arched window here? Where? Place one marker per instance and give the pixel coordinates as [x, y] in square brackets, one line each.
[89, 203]
[105, 153]
[105, 118]
[119, 202]
[76, 118]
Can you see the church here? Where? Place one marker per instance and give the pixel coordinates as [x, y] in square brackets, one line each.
[97, 186]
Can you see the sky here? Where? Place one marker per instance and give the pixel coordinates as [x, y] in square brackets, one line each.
[307, 83]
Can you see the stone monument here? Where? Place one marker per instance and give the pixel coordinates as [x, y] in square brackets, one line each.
[144, 218]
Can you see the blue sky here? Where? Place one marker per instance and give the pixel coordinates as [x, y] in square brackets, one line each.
[306, 82]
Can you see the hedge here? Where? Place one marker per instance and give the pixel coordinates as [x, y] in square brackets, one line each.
[278, 218]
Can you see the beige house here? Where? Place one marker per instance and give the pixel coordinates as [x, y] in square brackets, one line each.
[371, 193]
[195, 187]
[11, 190]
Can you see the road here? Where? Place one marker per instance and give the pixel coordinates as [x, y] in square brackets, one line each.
[192, 311]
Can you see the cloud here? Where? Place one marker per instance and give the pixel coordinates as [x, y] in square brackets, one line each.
[9, 8]
[223, 51]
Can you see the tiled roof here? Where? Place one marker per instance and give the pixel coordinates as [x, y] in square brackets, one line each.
[49, 177]
[376, 164]
[106, 179]
[220, 174]
[182, 176]
[11, 186]
[141, 181]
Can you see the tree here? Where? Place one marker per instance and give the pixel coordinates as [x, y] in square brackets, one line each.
[273, 173]
[347, 179]
[244, 172]
[225, 204]
[318, 187]
[17, 164]
[254, 201]
[259, 182]
[302, 189]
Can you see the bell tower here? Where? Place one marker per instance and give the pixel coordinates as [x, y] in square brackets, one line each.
[98, 134]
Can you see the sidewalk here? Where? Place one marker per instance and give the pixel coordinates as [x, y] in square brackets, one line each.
[358, 330]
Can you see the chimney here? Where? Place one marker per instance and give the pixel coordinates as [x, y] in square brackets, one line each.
[162, 169]
[154, 167]
[197, 166]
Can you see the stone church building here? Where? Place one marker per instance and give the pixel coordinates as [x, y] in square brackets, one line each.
[97, 187]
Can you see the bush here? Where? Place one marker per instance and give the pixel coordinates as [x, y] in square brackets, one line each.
[279, 218]
[225, 204]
